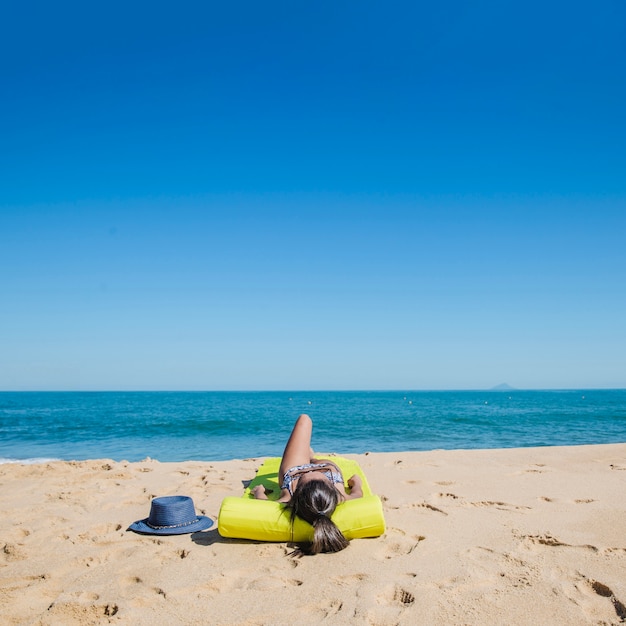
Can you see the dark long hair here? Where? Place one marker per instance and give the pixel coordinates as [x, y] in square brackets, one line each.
[314, 502]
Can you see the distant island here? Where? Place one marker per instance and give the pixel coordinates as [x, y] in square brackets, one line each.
[503, 387]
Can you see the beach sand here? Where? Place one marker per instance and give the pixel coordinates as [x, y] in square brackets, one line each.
[517, 536]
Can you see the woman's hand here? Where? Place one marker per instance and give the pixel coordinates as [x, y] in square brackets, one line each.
[259, 492]
[355, 484]
[354, 480]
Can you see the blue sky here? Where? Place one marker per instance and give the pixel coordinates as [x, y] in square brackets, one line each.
[330, 196]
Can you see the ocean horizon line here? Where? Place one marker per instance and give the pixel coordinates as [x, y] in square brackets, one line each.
[320, 390]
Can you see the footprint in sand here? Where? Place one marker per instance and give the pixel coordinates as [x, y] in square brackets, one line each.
[590, 595]
[21, 583]
[99, 533]
[391, 607]
[452, 496]
[91, 561]
[426, 505]
[397, 543]
[536, 468]
[503, 506]
[324, 610]
[604, 591]
[131, 580]
[548, 540]
[577, 501]
[331, 607]
[271, 583]
[71, 611]
[234, 579]
[509, 570]
[86, 596]
[13, 552]
[397, 596]
[350, 580]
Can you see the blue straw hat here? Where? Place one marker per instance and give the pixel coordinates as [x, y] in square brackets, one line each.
[171, 515]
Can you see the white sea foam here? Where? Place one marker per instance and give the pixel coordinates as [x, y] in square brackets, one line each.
[34, 461]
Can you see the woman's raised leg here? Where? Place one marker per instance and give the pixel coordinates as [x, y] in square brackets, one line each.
[298, 448]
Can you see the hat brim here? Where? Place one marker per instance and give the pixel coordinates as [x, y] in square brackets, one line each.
[143, 528]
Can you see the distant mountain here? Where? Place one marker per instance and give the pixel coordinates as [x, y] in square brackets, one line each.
[503, 387]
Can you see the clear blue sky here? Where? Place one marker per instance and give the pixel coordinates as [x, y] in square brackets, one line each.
[329, 195]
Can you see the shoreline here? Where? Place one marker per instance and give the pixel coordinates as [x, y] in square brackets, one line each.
[45, 460]
[474, 536]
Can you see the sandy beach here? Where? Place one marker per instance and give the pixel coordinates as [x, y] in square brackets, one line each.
[517, 536]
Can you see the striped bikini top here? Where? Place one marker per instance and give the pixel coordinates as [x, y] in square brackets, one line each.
[327, 469]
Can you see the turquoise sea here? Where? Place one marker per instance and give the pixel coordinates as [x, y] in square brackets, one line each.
[178, 426]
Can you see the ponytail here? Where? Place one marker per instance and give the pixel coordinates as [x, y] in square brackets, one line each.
[314, 502]
[326, 536]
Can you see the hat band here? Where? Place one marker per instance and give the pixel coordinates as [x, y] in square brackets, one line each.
[193, 521]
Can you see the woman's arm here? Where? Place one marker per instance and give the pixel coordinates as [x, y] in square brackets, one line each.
[260, 494]
[356, 490]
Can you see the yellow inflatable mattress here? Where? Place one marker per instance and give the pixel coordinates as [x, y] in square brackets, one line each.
[267, 520]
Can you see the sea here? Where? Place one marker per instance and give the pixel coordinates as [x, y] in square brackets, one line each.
[212, 426]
